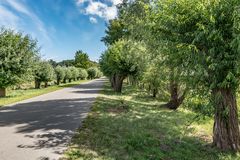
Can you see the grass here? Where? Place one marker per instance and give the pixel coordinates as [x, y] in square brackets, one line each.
[19, 95]
[132, 126]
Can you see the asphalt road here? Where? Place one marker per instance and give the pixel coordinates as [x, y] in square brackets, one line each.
[40, 128]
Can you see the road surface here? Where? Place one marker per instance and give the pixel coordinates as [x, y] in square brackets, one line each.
[40, 128]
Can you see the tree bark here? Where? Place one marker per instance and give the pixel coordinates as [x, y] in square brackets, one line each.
[175, 100]
[46, 84]
[58, 81]
[64, 80]
[155, 91]
[112, 81]
[37, 84]
[226, 135]
[70, 80]
[2, 92]
[118, 81]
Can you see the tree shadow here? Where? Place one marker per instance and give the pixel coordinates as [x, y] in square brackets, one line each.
[144, 132]
[48, 123]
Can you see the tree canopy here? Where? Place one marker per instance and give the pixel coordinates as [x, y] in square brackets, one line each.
[17, 55]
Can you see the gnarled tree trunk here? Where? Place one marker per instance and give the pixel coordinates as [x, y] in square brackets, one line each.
[117, 82]
[112, 81]
[2, 92]
[155, 91]
[37, 84]
[46, 84]
[175, 100]
[226, 135]
[64, 80]
[58, 81]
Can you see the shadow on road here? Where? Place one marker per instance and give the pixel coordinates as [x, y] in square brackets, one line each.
[50, 123]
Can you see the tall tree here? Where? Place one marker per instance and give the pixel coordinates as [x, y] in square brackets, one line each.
[208, 33]
[17, 55]
[44, 72]
[81, 60]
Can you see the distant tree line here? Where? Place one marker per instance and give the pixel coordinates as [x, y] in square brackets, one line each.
[20, 63]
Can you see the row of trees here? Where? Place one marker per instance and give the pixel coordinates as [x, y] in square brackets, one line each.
[180, 47]
[20, 63]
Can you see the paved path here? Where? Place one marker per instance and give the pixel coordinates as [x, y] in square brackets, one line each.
[40, 128]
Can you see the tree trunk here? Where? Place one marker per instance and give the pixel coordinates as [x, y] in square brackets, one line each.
[2, 92]
[112, 81]
[118, 81]
[155, 92]
[70, 80]
[58, 81]
[226, 135]
[37, 84]
[175, 99]
[46, 84]
[64, 80]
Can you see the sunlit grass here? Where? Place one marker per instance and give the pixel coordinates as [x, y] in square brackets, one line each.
[19, 95]
[133, 126]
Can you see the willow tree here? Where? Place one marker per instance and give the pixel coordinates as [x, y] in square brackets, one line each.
[44, 72]
[118, 62]
[17, 56]
[210, 30]
[60, 74]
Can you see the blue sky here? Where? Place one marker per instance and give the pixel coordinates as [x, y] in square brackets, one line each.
[61, 26]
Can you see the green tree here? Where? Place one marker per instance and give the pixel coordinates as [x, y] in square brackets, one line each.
[117, 63]
[207, 34]
[68, 75]
[66, 63]
[60, 74]
[75, 73]
[81, 60]
[92, 72]
[115, 31]
[17, 55]
[83, 74]
[44, 72]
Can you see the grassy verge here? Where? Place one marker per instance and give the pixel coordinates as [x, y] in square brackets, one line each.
[19, 95]
[132, 126]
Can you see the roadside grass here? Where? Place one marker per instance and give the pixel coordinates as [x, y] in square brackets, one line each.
[22, 94]
[132, 126]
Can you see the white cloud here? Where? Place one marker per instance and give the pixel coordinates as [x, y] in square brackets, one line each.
[103, 10]
[93, 20]
[80, 2]
[116, 2]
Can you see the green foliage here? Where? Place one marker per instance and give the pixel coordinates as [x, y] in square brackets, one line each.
[68, 73]
[117, 60]
[83, 74]
[60, 73]
[92, 72]
[44, 72]
[144, 132]
[115, 31]
[66, 63]
[17, 56]
[82, 60]
[74, 73]
[207, 34]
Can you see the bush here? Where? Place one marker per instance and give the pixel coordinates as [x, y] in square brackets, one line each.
[83, 74]
[92, 72]
[68, 74]
[44, 72]
[74, 72]
[17, 53]
[60, 74]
